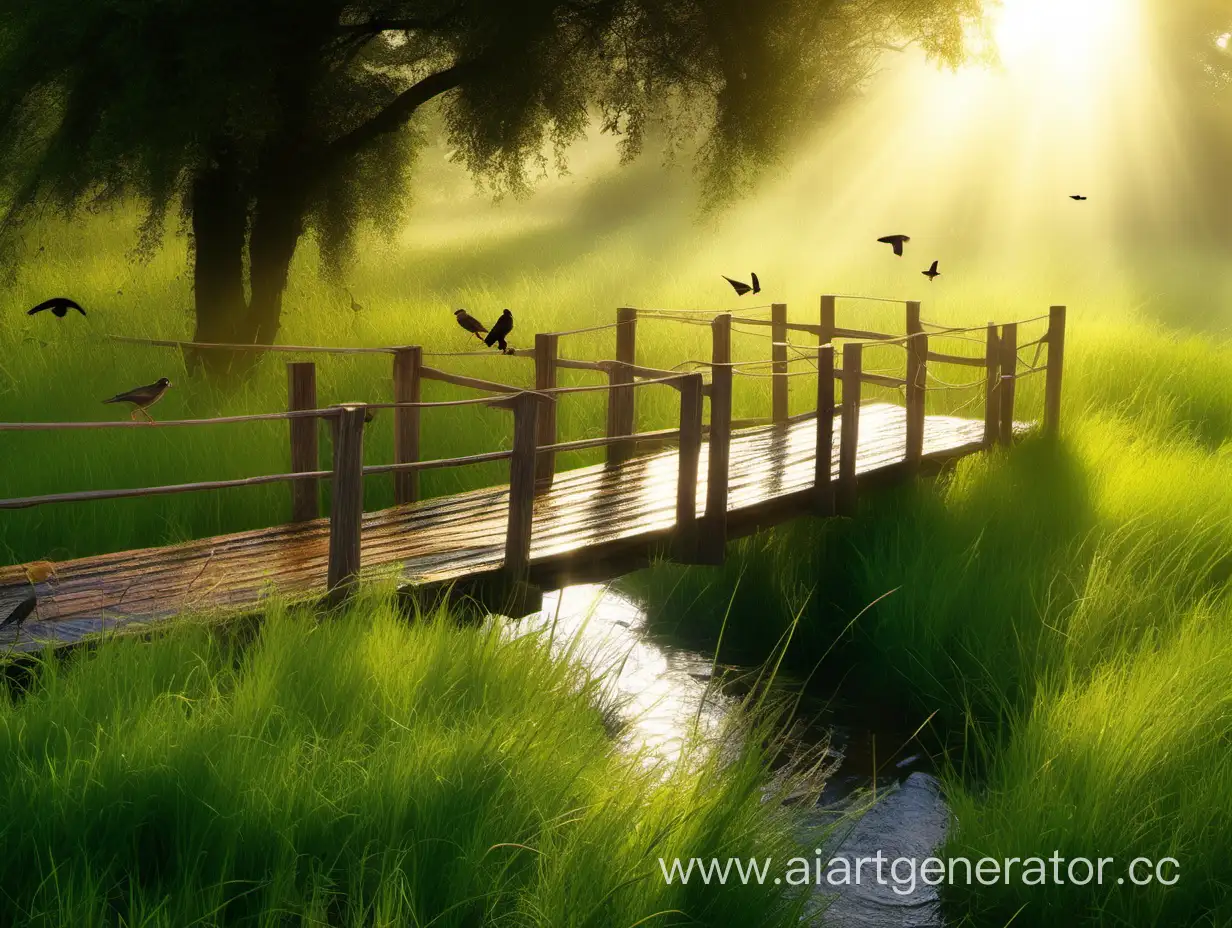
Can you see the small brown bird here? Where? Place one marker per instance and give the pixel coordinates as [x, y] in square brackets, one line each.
[502, 327]
[59, 306]
[897, 241]
[21, 613]
[1077, 196]
[470, 323]
[142, 398]
[742, 288]
[931, 272]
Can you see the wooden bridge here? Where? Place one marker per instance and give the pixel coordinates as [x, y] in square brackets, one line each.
[722, 479]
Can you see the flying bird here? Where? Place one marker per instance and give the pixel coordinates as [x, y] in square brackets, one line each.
[931, 272]
[897, 241]
[502, 327]
[470, 323]
[1077, 196]
[742, 288]
[356, 306]
[142, 398]
[59, 306]
[21, 613]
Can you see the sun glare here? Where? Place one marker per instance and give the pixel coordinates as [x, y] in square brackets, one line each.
[1059, 33]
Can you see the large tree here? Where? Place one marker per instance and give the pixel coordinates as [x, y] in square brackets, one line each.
[261, 119]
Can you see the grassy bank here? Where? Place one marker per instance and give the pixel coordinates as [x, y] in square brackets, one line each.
[358, 772]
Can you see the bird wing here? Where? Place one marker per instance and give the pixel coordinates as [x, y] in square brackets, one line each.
[46, 304]
[933, 269]
[740, 288]
[136, 394]
[471, 324]
[18, 615]
[756, 284]
[70, 304]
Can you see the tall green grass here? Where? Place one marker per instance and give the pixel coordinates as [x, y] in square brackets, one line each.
[359, 771]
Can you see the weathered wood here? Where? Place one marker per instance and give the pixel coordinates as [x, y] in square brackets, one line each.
[521, 485]
[883, 380]
[778, 355]
[347, 511]
[917, 374]
[914, 326]
[546, 349]
[621, 407]
[685, 540]
[943, 358]
[992, 395]
[1056, 361]
[301, 395]
[1009, 370]
[826, 333]
[849, 442]
[572, 364]
[806, 327]
[474, 383]
[714, 534]
[408, 365]
[863, 335]
[823, 483]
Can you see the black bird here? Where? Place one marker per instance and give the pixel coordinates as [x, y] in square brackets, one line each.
[1077, 196]
[470, 323]
[356, 306]
[931, 272]
[742, 288]
[897, 241]
[21, 613]
[142, 398]
[59, 306]
[502, 327]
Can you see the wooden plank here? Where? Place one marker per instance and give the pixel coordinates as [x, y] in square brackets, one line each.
[805, 327]
[1009, 370]
[621, 407]
[474, 383]
[992, 396]
[521, 485]
[778, 355]
[1056, 361]
[714, 534]
[882, 380]
[849, 437]
[862, 335]
[408, 366]
[823, 457]
[301, 395]
[546, 350]
[347, 511]
[917, 373]
[825, 334]
[573, 364]
[689, 458]
[943, 358]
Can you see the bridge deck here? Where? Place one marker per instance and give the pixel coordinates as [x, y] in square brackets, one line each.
[588, 513]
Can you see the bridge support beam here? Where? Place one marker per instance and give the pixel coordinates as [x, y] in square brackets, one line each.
[917, 375]
[778, 357]
[849, 437]
[546, 352]
[992, 395]
[1056, 364]
[714, 537]
[620, 405]
[521, 485]
[684, 545]
[408, 365]
[301, 395]
[347, 509]
[823, 460]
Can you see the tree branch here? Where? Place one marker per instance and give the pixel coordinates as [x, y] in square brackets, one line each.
[403, 107]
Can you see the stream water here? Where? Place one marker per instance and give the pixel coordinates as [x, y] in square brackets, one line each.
[664, 690]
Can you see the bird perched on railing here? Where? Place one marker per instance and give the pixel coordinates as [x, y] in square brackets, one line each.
[470, 323]
[500, 330]
[21, 613]
[141, 398]
[59, 306]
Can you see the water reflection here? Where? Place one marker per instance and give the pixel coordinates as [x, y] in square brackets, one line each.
[666, 697]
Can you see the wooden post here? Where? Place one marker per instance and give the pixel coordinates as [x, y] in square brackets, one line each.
[1056, 363]
[347, 512]
[917, 382]
[302, 394]
[827, 320]
[849, 444]
[1009, 369]
[408, 362]
[620, 408]
[714, 541]
[778, 354]
[546, 349]
[992, 396]
[824, 458]
[685, 542]
[914, 326]
[521, 485]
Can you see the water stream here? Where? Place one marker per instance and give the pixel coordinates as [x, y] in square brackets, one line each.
[663, 690]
